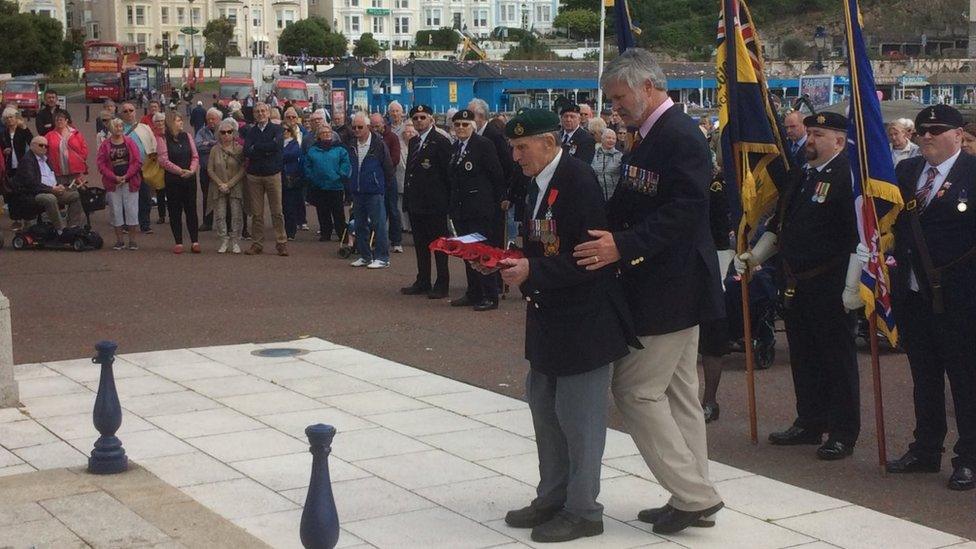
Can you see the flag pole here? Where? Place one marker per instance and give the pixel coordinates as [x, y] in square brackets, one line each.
[879, 421]
[750, 357]
[603, 34]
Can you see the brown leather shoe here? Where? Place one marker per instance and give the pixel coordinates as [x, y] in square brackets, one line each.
[253, 250]
[282, 249]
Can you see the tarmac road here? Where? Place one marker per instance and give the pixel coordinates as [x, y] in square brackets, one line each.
[63, 302]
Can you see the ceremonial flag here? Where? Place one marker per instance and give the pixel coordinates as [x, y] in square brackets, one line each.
[623, 26]
[877, 199]
[751, 139]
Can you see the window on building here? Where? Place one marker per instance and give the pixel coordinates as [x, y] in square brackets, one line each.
[257, 17]
[166, 41]
[403, 4]
[352, 3]
[402, 25]
[140, 15]
[376, 3]
[94, 31]
[130, 17]
[232, 16]
[352, 23]
[377, 25]
[142, 39]
[180, 16]
[164, 15]
[508, 13]
[433, 17]
[480, 18]
[543, 14]
[195, 14]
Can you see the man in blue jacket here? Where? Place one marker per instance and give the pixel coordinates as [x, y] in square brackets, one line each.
[372, 171]
[263, 145]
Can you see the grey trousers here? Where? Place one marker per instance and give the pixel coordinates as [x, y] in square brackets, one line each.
[569, 414]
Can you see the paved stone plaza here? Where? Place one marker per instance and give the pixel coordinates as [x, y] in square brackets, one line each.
[420, 460]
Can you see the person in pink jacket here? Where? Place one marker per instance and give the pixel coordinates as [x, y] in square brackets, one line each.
[67, 151]
[119, 162]
[177, 154]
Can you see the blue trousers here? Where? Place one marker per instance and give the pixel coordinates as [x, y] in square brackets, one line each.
[369, 212]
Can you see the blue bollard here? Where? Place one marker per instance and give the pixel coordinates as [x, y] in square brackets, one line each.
[320, 521]
[108, 457]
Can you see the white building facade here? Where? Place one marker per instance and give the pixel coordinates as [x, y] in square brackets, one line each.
[55, 9]
[160, 25]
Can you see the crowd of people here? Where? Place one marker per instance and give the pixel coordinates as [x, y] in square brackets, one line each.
[628, 237]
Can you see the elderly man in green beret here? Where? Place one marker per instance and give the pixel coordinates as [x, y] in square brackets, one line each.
[576, 324]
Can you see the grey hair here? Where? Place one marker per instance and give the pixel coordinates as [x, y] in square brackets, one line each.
[158, 116]
[115, 122]
[905, 124]
[634, 67]
[10, 112]
[394, 102]
[596, 124]
[608, 131]
[228, 123]
[360, 115]
[320, 112]
[216, 111]
[479, 107]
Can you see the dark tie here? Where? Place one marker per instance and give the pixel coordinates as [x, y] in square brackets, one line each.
[565, 138]
[457, 151]
[637, 141]
[533, 196]
[922, 195]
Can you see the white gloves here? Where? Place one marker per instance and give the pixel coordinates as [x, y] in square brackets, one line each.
[862, 253]
[763, 250]
[724, 258]
[852, 296]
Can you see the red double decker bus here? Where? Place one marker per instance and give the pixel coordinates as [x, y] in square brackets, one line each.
[106, 69]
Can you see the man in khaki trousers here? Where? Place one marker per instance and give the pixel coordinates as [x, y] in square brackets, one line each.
[263, 145]
[662, 245]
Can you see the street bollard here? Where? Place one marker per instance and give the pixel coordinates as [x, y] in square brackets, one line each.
[320, 521]
[108, 457]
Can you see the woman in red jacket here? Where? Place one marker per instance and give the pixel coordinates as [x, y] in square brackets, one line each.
[119, 163]
[67, 151]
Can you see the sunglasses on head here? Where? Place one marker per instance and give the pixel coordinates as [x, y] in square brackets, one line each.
[934, 130]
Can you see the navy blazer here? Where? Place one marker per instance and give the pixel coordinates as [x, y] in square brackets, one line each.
[581, 145]
[659, 215]
[263, 149]
[948, 232]
[477, 183]
[576, 320]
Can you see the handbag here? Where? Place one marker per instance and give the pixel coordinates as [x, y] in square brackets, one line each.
[152, 172]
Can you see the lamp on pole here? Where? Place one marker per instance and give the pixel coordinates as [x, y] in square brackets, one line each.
[820, 41]
[903, 73]
[192, 31]
[701, 88]
[247, 24]
[525, 16]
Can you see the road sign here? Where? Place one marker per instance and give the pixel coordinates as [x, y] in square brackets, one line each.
[377, 11]
[189, 30]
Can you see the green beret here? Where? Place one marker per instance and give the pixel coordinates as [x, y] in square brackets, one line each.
[528, 122]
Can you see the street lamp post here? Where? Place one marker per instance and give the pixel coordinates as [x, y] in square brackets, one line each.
[903, 73]
[247, 24]
[701, 88]
[525, 16]
[413, 80]
[820, 40]
[192, 32]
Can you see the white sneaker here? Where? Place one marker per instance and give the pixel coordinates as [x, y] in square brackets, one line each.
[359, 263]
[223, 246]
[236, 248]
[398, 249]
[378, 264]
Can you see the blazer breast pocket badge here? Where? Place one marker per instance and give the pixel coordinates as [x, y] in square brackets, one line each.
[425, 163]
[640, 180]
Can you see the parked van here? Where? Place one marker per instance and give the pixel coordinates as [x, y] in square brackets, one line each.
[293, 90]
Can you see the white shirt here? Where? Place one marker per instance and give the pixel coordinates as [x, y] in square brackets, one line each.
[940, 178]
[569, 135]
[542, 181]
[423, 136]
[363, 148]
[13, 153]
[464, 146]
[47, 174]
[481, 130]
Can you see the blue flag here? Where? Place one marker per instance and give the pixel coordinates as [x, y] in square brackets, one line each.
[877, 199]
[623, 26]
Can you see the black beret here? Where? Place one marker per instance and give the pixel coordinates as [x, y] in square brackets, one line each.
[827, 121]
[528, 122]
[938, 115]
[572, 107]
[421, 109]
[462, 115]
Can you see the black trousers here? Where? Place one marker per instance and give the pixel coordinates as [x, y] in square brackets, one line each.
[204, 188]
[181, 199]
[291, 207]
[145, 206]
[426, 228]
[480, 286]
[940, 345]
[823, 358]
[328, 208]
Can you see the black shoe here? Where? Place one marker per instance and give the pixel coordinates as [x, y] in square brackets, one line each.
[711, 411]
[414, 290]
[205, 227]
[911, 463]
[833, 450]
[795, 436]
[462, 301]
[566, 526]
[531, 516]
[436, 294]
[486, 305]
[962, 479]
[677, 520]
[651, 516]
